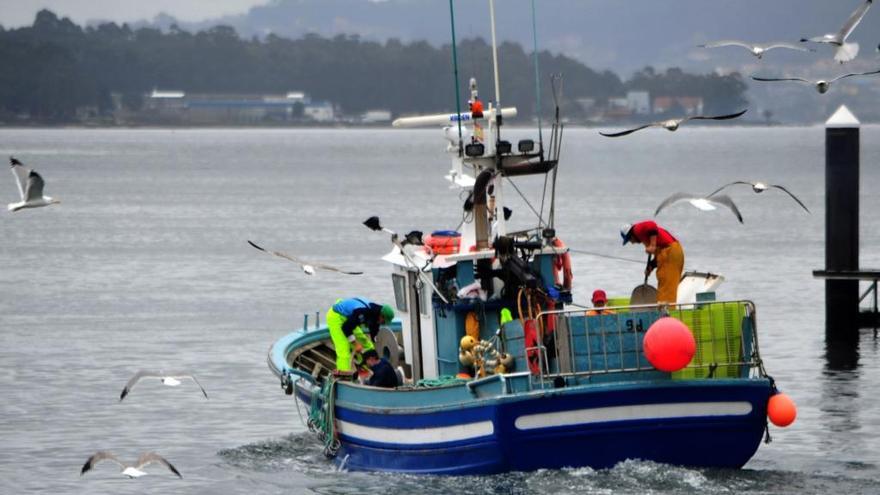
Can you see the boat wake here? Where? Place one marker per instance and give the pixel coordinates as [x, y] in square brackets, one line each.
[296, 452]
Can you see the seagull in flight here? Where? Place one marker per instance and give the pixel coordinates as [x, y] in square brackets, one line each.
[672, 124]
[757, 50]
[171, 379]
[704, 203]
[308, 268]
[760, 187]
[132, 471]
[845, 51]
[822, 86]
[30, 186]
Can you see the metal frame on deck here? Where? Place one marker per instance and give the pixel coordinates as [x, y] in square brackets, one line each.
[750, 357]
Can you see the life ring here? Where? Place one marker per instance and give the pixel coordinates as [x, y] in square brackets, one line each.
[562, 262]
[443, 242]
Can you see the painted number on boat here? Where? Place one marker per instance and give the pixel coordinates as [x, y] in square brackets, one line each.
[638, 326]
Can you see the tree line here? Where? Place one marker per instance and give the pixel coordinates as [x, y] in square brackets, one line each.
[55, 66]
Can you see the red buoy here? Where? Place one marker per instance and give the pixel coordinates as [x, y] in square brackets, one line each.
[669, 344]
[781, 410]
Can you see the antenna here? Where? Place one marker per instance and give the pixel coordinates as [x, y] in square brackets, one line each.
[455, 68]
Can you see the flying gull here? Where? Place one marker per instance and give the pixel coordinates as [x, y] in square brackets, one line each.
[132, 471]
[672, 124]
[760, 187]
[171, 379]
[308, 268]
[30, 186]
[704, 203]
[845, 51]
[822, 86]
[757, 50]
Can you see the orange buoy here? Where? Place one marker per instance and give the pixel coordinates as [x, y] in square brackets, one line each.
[781, 410]
[463, 376]
[669, 345]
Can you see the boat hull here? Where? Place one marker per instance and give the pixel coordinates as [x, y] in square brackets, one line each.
[717, 423]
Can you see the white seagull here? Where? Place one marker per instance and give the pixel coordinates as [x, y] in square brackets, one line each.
[760, 187]
[845, 51]
[757, 50]
[822, 86]
[132, 471]
[171, 379]
[308, 268]
[672, 124]
[30, 186]
[704, 203]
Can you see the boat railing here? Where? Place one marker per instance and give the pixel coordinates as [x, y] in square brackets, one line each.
[602, 346]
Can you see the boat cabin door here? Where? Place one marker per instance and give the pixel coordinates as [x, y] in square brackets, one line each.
[413, 300]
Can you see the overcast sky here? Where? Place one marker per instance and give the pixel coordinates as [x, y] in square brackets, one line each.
[17, 13]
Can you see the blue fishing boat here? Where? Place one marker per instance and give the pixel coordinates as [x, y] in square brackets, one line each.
[500, 370]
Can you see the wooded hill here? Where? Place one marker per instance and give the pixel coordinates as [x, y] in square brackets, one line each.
[55, 66]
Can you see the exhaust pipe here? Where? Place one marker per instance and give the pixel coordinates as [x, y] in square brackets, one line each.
[481, 211]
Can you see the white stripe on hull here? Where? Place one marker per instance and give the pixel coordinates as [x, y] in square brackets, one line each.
[413, 436]
[630, 413]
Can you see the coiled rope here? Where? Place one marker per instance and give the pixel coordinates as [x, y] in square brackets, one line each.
[322, 417]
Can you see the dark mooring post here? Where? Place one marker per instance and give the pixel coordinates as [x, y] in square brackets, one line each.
[842, 226]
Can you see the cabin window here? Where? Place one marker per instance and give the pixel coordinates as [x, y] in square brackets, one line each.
[399, 283]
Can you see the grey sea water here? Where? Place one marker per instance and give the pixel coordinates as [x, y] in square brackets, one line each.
[145, 264]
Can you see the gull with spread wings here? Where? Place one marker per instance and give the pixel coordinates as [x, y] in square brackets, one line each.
[704, 203]
[171, 379]
[845, 51]
[755, 49]
[30, 186]
[308, 268]
[672, 124]
[822, 86]
[130, 470]
[760, 187]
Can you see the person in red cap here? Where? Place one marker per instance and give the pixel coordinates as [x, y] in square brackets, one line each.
[599, 300]
[668, 256]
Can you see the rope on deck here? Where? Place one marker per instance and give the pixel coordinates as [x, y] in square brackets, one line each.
[440, 381]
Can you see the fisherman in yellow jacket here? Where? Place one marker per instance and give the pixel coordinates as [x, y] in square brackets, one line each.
[668, 256]
[347, 320]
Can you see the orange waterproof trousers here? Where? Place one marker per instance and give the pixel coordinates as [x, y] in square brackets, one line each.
[670, 265]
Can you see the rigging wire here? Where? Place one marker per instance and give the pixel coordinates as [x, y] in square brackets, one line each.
[608, 256]
[543, 194]
[523, 196]
[552, 214]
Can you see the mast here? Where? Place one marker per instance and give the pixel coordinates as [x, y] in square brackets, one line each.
[501, 228]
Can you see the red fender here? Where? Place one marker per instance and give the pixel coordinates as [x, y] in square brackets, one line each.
[530, 331]
[562, 263]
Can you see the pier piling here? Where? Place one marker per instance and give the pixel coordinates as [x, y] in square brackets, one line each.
[843, 316]
[842, 225]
